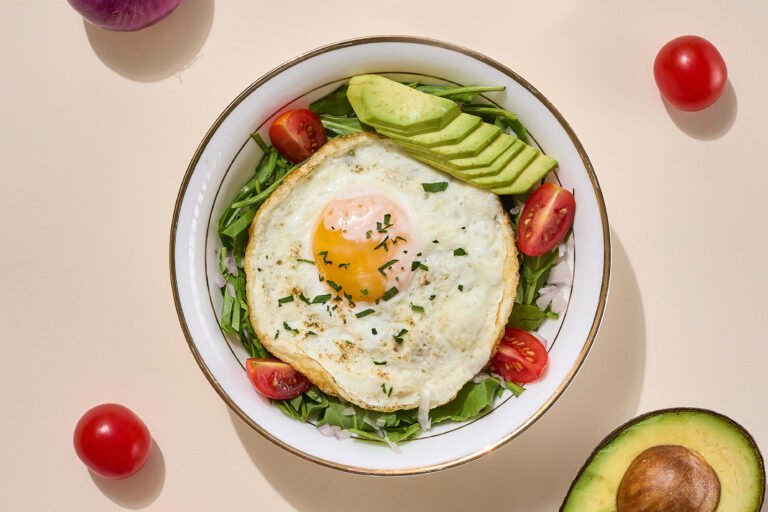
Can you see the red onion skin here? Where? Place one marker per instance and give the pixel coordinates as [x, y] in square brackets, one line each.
[124, 15]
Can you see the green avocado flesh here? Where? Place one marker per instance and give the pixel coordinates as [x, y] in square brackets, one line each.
[434, 130]
[389, 105]
[722, 443]
[452, 133]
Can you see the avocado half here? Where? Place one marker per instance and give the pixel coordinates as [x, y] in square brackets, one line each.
[724, 444]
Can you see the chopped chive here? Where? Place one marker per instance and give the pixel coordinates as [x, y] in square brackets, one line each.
[435, 241]
[311, 333]
[386, 266]
[435, 187]
[399, 336]
[365, 312]
[351, 152]
[418, 308]
[333, 285]
[368, 234]
[277, 334]
[344, 265]
[324, 254]
[321, 299]
[349, 298]
[399, 239]
[383, 244]
[432, 297]
[389, 293]
[461, 287]
[389, 393]
[379, 363]
[302, 260]
[303, 298]
[348, 342]
[387, 218]
[289, 328]
[364, 291]
[380, 228]
[374, 331]
[384, 388]
[285, 300]
[418, 264]
[459, 252]
[320, 278]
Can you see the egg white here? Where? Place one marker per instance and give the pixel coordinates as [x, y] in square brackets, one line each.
[446, 344]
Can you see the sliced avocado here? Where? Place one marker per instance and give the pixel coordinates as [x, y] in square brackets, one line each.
[452, 133]
[392, 106]
[511, 171]
[720, 442]
[497, 165]
[487, 156]
[531, 175]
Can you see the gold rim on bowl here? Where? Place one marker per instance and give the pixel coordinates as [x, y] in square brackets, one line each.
[606, 253]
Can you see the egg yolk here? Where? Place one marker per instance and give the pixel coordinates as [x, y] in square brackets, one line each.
[360, 247]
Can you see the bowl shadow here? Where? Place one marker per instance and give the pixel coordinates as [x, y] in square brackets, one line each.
[159, 51]
[712, 122]
[532, 472]
[140, 490]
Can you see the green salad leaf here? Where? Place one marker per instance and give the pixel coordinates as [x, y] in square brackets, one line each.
[314, 406]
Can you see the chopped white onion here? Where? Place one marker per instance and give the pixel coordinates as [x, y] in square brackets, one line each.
[229, 262]
[546, 295]
[423, 413]
[231, 289]
[370, 422]
[219, 281]
[342, 434]
[480, 377]
[558, 304]
[392, 444]
[349, 411]
[326, 430]
[560, 274]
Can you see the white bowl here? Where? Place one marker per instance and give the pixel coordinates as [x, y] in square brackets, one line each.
[225, 160]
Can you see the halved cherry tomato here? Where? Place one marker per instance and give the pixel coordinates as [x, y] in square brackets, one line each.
[547, 217]
[521, 357]
[275, 379]
[297, 134]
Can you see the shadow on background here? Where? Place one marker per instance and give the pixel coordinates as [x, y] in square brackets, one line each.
[710, 123]
[140, 490]
[532, 472]
[159, 51]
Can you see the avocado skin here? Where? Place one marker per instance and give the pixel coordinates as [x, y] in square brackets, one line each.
[608, 447]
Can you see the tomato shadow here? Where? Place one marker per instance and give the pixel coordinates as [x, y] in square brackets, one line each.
[532, 472]
[157, 52]
[710, 123]
[140, 490]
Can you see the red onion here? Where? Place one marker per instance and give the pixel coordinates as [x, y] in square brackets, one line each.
[124, 15]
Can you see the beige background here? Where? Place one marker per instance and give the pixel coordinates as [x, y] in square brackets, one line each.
[96, 133]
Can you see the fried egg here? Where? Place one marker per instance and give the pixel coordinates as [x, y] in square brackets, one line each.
[378, 291]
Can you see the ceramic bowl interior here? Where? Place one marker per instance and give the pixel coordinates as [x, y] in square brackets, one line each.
[226, 159]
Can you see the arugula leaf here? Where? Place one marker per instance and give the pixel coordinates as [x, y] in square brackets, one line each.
[535, 270]
[458, 94]
[502, 118]
[343, 125]
[528, 317]
[335, 103]
[469, 402]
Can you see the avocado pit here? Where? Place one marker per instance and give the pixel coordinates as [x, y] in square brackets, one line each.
[668, 477]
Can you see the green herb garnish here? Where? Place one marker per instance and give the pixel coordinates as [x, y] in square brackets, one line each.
[435, 187]
[386, 266]
[389, 293]
[321, 299]
[302, 260]
[399, 336]
[365, 312]
[418, 264]
[461, 287]
[459, 252]
[285, 300]
[383, 244]
[418, 308]
[333, 285]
